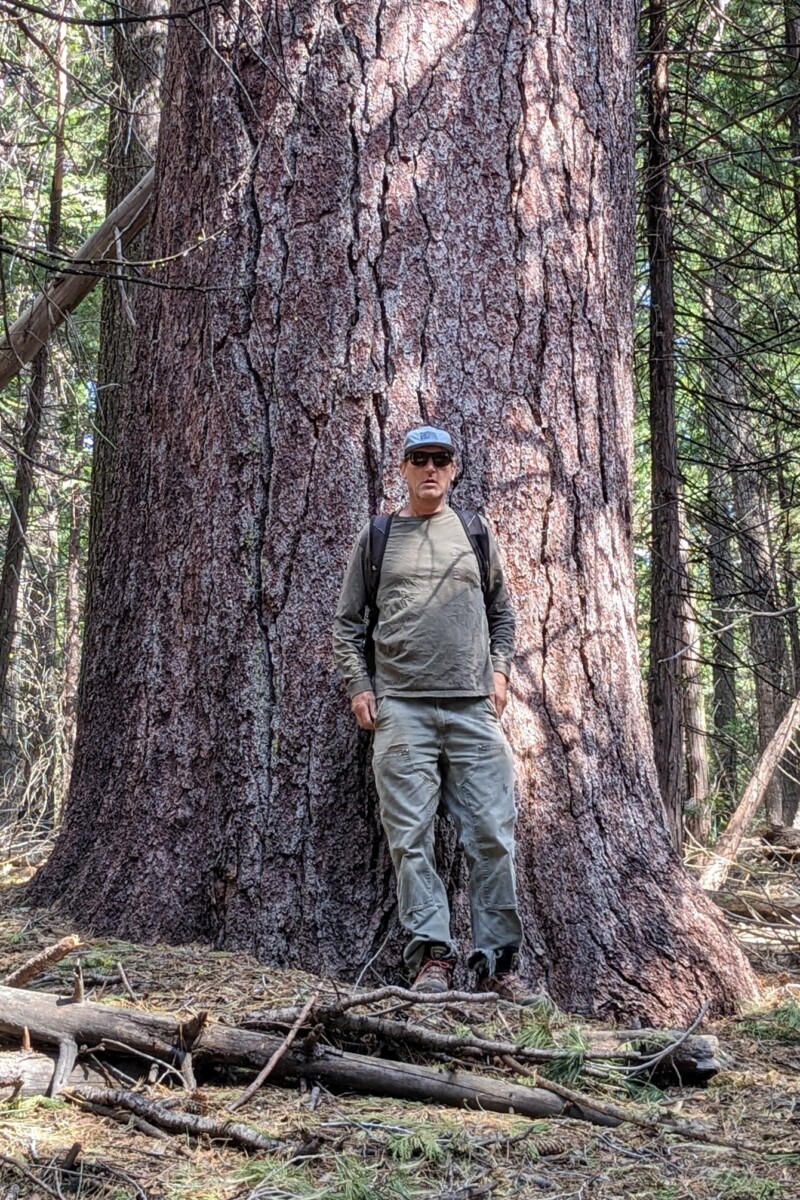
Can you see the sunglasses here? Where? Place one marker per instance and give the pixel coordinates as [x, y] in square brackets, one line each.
[439, 458]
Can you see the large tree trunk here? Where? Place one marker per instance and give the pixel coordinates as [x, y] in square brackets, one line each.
[418, 211]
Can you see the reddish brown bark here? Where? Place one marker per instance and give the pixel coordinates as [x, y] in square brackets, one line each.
[417, 210]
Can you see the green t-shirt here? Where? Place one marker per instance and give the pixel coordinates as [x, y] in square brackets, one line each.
[434, 636]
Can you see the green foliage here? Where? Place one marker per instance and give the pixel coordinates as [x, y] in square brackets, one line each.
[296, 1181]
[538, 1028]
[23, 1106]
[421, 1142]
[734, 1185]
[780, 1024]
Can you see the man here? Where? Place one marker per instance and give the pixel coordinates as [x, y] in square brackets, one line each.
[443, 645]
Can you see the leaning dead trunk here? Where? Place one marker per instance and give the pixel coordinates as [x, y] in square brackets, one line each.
[410, 221]
[32, 329]
[724, 851]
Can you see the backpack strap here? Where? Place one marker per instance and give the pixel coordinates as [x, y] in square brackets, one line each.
[379, 528]
[478, 536]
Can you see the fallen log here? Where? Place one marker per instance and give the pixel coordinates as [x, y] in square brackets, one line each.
[691, 1059]
[779, 910]
[30, 1073]
[52, 1020]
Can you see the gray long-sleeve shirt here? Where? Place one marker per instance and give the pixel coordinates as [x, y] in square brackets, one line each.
[435, 635]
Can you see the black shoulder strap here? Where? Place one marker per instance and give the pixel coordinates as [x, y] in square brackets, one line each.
[478, 536]
[379, 528]
[375, 549]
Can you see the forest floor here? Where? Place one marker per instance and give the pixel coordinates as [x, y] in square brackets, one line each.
[358, 1147]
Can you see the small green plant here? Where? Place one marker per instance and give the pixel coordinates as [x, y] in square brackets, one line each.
[99, 960]
[733, 1185]
[780, 1024]
[417, 1143]
[297, 1181]
[354, 1180]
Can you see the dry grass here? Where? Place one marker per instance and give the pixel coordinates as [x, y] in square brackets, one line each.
[363, 1148]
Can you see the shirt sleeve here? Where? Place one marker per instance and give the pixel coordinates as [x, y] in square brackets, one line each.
[349, 624]
[499, 613]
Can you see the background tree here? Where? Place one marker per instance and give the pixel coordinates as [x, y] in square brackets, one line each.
[50, 179]
[408, 213]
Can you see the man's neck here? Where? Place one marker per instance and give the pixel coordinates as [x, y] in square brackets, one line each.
[412, 510]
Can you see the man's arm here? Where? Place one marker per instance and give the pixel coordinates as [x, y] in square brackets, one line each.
[499, 614]
[349, 633]
[502, 626]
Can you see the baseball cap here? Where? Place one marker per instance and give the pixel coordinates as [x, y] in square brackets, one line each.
[427, 435]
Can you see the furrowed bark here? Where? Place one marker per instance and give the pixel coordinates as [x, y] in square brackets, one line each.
[423, 212]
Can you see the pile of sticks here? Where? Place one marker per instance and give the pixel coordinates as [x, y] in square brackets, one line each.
[99, 1056]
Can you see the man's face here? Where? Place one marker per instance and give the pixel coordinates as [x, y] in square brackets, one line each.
[426, 480]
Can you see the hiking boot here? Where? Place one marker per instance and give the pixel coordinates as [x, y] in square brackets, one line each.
[436, 972]
[507, 983]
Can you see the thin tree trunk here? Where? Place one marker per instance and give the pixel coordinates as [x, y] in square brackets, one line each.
[698, 809]
[44, 654]
[791, 11]
[791, 777]
[72, 635]
[18, 519]
[668, 584]
[759, 585]
[132, 138]
[394, 167]
[722, 585]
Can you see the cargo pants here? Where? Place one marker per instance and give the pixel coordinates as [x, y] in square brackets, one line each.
[424, 749]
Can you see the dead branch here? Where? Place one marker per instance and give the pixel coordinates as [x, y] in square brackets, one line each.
[262, 1076]
[689, 1055]
[29, 1175]
[67, 1057]
[173, 1120]
[36, 965]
